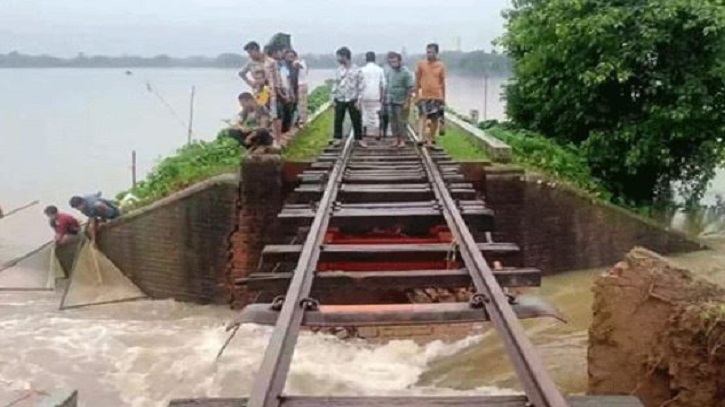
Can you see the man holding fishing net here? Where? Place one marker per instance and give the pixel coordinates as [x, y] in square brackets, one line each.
[97, 209]
[66, 227]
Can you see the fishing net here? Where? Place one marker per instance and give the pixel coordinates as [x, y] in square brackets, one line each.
[35, 271]
[95, 280]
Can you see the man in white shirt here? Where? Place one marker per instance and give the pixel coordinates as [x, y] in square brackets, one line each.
[372, 98]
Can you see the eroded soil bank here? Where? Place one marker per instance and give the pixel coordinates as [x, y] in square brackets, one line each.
[658, 332]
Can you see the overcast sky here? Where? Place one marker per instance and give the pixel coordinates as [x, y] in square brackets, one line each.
[211, 27]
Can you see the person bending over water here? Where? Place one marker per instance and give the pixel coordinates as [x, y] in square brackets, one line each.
[66, 227]
[95, 207]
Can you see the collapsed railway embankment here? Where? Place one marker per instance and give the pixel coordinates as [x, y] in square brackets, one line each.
[192, 245]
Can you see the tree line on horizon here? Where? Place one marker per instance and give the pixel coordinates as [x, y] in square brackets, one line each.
[463, 63]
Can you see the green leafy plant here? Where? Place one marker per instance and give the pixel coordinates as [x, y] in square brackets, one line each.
[638, 86]
[541, 154]
[318, 97]
[192, 163]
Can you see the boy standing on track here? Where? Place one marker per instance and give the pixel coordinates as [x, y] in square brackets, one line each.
[399, 87]
[430, 79]
[347, 93]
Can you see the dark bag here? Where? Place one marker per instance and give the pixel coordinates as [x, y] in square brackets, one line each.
[280, 41]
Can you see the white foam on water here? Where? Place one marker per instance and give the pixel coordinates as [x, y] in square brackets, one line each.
[145, 353]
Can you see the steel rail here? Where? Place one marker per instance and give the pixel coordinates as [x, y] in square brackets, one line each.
[537, 383]
[272, 375]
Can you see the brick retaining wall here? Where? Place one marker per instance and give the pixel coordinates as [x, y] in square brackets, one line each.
[261, 199]
[178, 247]
[561, 228]
[190, 245]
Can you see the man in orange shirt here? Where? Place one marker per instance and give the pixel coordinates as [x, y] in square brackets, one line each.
[430, 85]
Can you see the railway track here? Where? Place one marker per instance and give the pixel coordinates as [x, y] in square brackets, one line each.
[392, 219]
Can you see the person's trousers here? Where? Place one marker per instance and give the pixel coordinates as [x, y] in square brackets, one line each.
[371, 116]
[397, 120]
[355, 117]
[384, 120]
[302, 103]
[287, 113]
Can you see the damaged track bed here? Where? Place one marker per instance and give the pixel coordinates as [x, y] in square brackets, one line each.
[382, 223]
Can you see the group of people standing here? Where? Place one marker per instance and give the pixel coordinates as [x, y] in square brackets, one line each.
[375, 97]
[372, 96]
[277, 78]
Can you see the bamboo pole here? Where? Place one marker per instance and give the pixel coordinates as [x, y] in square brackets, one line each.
[16, 210]
[191, 115]
[485, 97]
[133, 168]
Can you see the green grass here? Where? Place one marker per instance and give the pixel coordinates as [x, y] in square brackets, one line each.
[460, 146]
[310, 142]
[538, 154]
[533, 152]
[319, 96]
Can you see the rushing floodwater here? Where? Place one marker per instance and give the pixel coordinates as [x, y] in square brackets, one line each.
[71, 131]
[145, 353]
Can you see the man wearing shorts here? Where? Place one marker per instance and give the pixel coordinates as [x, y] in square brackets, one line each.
[430, 83]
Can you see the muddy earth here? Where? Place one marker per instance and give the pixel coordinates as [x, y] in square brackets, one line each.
[658, 332]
